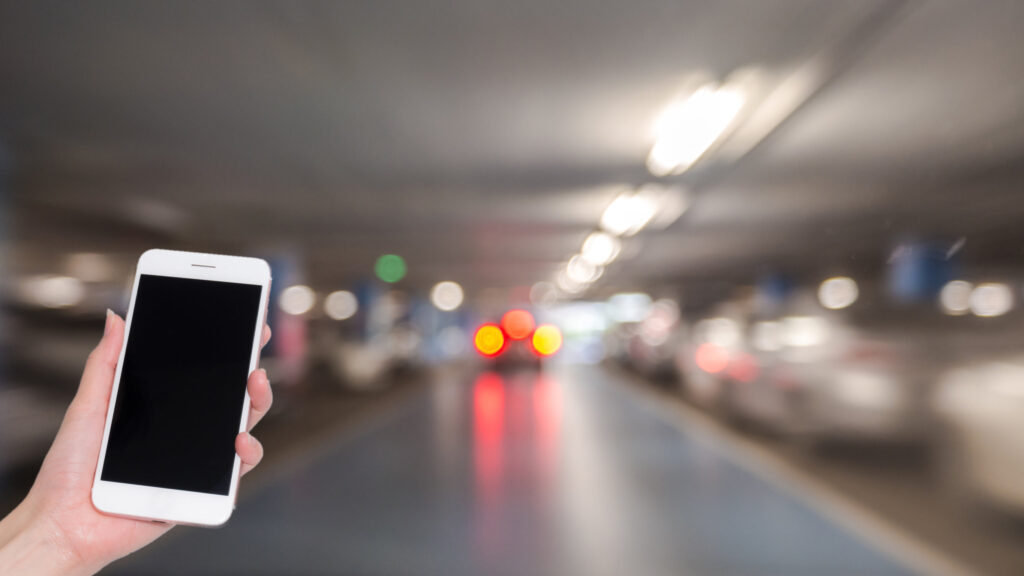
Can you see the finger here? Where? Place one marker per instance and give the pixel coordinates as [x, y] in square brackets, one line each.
[266, 336]
[249, 450]
[260, 397]
[98, 376]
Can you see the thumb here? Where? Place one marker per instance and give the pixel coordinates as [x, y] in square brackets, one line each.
[98, 377]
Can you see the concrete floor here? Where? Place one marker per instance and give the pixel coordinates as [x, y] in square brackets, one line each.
[563, 472]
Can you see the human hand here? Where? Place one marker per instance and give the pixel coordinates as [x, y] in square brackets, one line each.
[56, 529]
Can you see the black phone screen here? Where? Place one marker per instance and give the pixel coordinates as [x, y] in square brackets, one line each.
[179, 403]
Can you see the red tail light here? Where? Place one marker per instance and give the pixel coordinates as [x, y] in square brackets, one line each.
[517, 324]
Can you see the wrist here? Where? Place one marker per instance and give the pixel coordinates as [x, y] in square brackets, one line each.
[32, 544]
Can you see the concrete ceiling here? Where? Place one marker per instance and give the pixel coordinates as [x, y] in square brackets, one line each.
[483, 140]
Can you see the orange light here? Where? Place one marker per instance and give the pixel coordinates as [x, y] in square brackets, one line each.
[547, 339]
[489, 340]
[711, 358]
[517, 324]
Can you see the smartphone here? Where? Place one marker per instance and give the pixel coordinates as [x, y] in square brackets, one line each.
[191, 339]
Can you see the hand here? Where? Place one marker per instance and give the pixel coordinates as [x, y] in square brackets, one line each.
[56, 530]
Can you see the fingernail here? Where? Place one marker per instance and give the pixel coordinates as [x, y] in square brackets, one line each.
[109, 321]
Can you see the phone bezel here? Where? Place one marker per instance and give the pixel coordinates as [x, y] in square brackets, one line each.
[164, 504]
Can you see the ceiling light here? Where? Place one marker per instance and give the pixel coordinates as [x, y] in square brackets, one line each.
[688, 128]
[567, 284]
[838, 293]
[341, 305]
[297, 300]
[628, 213]
[991, 299]
[600, 248]
[55, 291]
[955, 297]
[446, 296]
[581, 271]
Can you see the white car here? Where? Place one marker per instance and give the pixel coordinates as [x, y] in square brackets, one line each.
[824, 377]
[852, 382]
[980, 406]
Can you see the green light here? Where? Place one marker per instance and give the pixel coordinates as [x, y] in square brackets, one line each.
[390, 268]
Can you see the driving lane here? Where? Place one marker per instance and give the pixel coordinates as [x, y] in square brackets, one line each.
[562, 472]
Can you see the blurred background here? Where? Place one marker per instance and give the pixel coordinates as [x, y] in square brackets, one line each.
[571, 288]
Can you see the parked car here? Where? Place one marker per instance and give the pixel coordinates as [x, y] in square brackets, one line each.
[979, 405]
[819, 375]
[705, 352]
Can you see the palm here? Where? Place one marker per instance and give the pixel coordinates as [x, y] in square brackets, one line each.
[64, 485]
[62, 493]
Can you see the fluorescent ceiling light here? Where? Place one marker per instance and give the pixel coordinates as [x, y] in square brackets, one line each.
[838, 293]
[341, 305]
[567, 284]
[688, 128]
[582, 272]
[955, 297]
[600, 248]
[447, 295]
[991, 299]
[628, 213]
[297, 300]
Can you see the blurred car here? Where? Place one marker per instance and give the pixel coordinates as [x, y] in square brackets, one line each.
[616, 343]
[856, 378]
[980, 410]
[819, 376]
[365, 364]
[704, 353]
[517, 341]
[652, 343]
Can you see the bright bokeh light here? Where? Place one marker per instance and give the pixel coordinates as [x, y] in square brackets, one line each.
[804, 331]
[838, 293]
[628, 213]
[297, 300]
[517, 324]
[446, 296]
[955, 297]
[390, 268]
[582, 272]
[341, 305]
[55, 291]
[671, 203]
[991, 299]
[711, 358]
[567, 284]
[688, 128]
[489, 340]
[547, 339]
[600, 248]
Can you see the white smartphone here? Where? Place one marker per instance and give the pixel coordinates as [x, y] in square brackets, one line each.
[192, 337]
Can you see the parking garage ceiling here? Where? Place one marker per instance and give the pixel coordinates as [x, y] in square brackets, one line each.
[483, 140]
